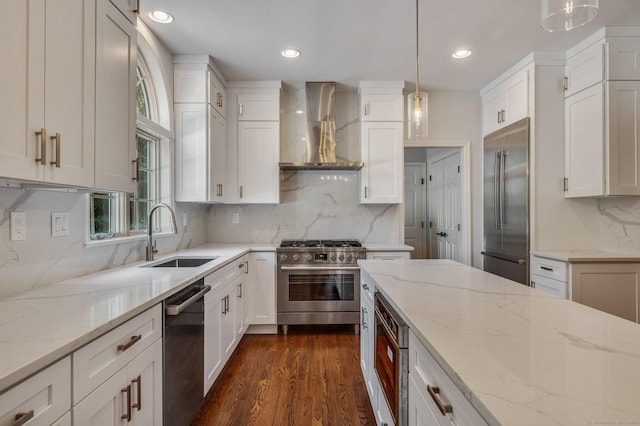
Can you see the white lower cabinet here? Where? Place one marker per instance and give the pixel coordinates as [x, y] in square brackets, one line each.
[550, 276]
[117, 378]
[223, 318]
[64, 420]
[42, 398]
[131, 396]
[433, 398]
[367, 343]
[260, 302]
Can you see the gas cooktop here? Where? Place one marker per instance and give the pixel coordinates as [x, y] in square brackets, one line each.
[320, 244]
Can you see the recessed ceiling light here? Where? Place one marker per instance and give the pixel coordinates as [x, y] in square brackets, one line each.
[161, 16]
[290, 53]
[461, 54]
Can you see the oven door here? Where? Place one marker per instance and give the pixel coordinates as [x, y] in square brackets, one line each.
[318, 289]
[387, 364]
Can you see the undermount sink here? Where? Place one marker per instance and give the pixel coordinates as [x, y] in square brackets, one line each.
[182, 262]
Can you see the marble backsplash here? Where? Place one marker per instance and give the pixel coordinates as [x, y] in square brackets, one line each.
[313, 205]
[41, 259]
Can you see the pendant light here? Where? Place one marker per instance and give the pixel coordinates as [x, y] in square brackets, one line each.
[417, 101]
[564, 15]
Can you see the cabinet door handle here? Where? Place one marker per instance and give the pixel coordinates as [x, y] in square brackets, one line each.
[366, 108]
[565, 83]
[566, 184]
[43, 146]
[240, 191]
[133, 341]
[545, 268]
[365, 192]
[224, 305]
[127, 390]
[137, 8]
[241, 109]
[362, 321]
[434, 392]
[138, 382]
[442, 234]
[240, 291]
[136, 174]
[56, 138]
[533, 284]
[22, 418]
[246, 271]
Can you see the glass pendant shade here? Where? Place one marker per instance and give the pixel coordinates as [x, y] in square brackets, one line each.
[564, 15]
[417, 115]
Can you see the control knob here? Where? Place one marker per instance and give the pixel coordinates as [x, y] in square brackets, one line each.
[308, 258]
[349, 258]
[333, 257]
[356, 256]
[341, 257]
[283, 257]
[296, 257]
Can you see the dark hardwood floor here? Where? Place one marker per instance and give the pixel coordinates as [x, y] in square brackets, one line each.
[311, 376]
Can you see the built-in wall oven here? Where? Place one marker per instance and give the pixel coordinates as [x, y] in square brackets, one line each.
[318, 282]
[391, 358]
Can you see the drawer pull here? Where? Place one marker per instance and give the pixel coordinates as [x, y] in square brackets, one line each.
[544, 268]
[133, 341]
[138, 382]
[434, 392]
[22, 418]
[127, 390]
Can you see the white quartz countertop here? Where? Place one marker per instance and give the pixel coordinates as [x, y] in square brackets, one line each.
[520, 356]
[387, 247]
[40, 326]
[579, 256]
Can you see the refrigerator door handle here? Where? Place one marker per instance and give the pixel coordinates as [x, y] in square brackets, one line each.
[503, 166]
[508, 259]
[496, 188]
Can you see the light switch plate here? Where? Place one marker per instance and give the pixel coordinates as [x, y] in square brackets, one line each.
[18, 226]
[235, 218]
[59, 224]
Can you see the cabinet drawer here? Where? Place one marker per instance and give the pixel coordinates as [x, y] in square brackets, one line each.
[388, 255]
[94, 363]
[555, 287]
[584, 69]
[47, 395]
[554, 269]
[425, 371]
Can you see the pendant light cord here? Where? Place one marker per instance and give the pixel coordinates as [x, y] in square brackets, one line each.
[417, 51]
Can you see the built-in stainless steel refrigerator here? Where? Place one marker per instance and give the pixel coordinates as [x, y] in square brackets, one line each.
[506, 202]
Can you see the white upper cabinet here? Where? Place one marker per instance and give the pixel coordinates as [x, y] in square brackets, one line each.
[253, 142]
[381, 142]
[506, 103]
[115, 139]
[602, 118]
[199, 96]
[258, 107]
[47, 86]
[381, 107]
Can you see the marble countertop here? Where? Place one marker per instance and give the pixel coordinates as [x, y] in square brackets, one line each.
[519, 355]
[579, 256]
[41, 326]
[387, 247]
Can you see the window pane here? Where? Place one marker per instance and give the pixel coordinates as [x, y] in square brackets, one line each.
[102, 215]
[139, 213]
[142, 95]
[144, 185]
[144, 156]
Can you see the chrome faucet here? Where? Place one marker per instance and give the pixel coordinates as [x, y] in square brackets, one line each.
[174, 228]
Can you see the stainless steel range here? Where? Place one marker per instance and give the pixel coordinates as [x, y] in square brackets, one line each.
[318, 282]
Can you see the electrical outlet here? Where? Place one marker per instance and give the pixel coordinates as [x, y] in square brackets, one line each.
[185, 219]
[18, 226]
[235, 218]
[59, 224]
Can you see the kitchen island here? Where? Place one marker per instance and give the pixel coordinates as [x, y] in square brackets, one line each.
[518, 355]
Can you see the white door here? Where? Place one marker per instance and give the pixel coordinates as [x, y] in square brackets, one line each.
[213, 307]
[105, 405]
[444, 193]
[145, 377]
[415, 208]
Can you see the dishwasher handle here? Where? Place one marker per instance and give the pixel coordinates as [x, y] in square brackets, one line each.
[173, 310]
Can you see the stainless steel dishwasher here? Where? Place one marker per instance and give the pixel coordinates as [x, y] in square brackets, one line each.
[183, 370]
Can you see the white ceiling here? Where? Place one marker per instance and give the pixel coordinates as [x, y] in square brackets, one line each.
[351, 40]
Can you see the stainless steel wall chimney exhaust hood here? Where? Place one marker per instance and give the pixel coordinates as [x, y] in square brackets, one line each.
[321, 132]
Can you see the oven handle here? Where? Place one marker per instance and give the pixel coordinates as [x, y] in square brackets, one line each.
[388, 331]
[319, 268]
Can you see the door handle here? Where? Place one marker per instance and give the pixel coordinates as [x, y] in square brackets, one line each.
[442, 234]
